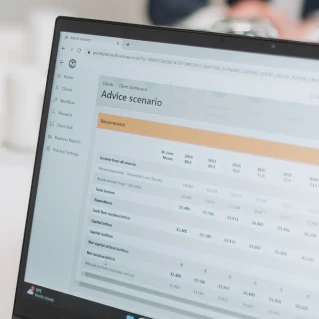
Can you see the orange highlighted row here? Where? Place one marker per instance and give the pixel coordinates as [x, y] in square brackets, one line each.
[209, 139]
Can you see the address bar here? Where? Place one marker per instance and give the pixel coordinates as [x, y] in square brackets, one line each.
[222, 68]
[187, 63]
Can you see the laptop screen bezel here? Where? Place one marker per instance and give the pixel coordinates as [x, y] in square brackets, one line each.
[79, 308]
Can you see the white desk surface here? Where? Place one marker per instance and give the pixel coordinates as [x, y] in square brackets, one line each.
[15, 180]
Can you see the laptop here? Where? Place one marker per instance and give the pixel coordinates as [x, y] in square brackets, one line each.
[176, 176]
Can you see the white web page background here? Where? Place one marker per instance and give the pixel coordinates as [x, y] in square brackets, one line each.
[63, 179]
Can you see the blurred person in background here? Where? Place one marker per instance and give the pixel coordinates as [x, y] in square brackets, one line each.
[293, 19]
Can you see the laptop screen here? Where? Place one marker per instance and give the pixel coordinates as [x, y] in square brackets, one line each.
[178, 182]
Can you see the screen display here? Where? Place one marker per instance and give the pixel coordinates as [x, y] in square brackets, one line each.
[178, 182]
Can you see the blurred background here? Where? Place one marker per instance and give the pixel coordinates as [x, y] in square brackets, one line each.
[26, 28]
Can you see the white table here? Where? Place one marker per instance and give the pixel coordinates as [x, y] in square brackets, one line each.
[15, 179]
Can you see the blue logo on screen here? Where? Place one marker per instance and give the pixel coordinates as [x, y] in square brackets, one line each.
[129, 317]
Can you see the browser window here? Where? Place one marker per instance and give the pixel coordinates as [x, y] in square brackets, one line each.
[179, 182]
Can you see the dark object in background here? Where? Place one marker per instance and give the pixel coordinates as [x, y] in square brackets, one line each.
[168, 12]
